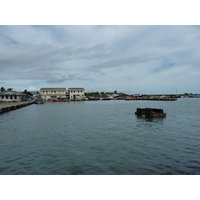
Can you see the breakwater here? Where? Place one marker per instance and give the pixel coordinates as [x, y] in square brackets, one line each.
[5, 107]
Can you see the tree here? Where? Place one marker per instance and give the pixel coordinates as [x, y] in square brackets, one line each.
[10, 89]
[28, 94]
[3, 89]
[115, 92]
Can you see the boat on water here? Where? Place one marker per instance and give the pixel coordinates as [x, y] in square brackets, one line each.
[130, 99]
[194, 96]
[58, 100]
[106, 99]
[93, 99]
[39, 101]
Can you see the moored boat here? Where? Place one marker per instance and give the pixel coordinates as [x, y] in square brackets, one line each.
[106, 99]
[194, 96]
[130, 99]
[58, 100]
[39, 101]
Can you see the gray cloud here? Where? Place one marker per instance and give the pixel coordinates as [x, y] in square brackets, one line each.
[101, 56]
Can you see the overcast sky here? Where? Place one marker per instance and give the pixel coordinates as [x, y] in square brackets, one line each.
[131, 59]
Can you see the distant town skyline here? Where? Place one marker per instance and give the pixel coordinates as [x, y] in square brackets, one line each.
[130, 59]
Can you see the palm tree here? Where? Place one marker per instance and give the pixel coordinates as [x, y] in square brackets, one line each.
[3, 89]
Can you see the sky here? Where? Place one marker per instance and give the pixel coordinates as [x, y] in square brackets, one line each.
[134, 59]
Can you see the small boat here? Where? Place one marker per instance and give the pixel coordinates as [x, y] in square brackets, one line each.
[39, 101]
[194, 96]
[58, 100]
[130, 99]
[106, 99]
[93, 99]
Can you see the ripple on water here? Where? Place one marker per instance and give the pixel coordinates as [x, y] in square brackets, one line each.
[101, 138]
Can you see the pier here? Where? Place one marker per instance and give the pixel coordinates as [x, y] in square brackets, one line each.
[5, 107]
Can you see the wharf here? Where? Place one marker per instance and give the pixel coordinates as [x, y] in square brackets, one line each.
[5, 107]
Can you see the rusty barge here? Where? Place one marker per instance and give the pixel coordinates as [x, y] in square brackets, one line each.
[150, 112]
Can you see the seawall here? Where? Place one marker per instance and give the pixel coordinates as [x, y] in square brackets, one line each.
[5, 107]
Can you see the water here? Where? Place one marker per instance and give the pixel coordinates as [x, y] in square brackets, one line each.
[101, 137]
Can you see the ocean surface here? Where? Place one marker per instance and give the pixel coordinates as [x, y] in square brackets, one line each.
[101, 138]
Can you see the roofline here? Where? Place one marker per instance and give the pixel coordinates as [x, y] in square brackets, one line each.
[15, 93]
[76, 89]
[52, 88]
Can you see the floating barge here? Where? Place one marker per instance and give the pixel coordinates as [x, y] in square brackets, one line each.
[5, 107]
[150, 112]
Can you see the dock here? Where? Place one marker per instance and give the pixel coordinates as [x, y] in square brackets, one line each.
[150, 112]
[6, 107]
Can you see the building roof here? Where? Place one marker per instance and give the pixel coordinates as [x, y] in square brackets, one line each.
[52, 88]
[12, 93]
[75, 88]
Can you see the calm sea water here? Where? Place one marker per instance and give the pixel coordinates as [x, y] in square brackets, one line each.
[101, 137]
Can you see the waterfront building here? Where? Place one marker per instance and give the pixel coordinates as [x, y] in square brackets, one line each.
[76, 93]
[12, 96]
[52, 93]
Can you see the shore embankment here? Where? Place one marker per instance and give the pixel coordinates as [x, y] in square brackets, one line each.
[5, 107]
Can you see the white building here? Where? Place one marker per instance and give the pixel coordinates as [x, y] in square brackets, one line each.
[76, 93]
[52, 93]
[12, 96]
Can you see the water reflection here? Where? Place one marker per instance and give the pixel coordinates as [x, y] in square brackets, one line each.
[150, 119]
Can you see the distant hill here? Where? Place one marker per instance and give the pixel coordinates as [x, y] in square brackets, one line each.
[33, 92]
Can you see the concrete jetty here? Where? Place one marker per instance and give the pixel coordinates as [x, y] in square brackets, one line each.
[5, 107]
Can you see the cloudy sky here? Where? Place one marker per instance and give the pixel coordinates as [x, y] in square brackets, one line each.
[132, 59]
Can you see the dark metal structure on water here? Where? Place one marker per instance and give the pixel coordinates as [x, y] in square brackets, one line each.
[150, 112]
